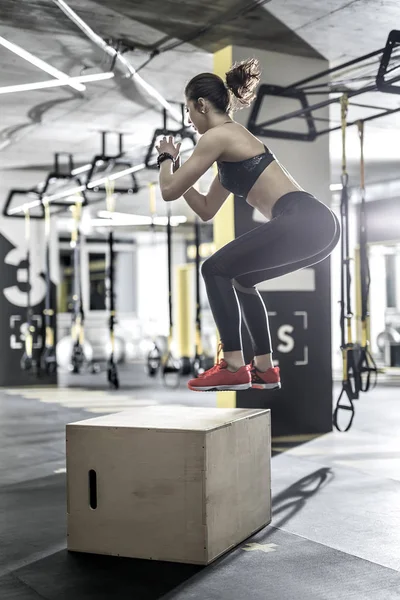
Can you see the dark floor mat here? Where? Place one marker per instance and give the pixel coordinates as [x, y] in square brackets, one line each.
[280, 566]
[12, 588]
[32, 519]
[272, 565]
[72, 576]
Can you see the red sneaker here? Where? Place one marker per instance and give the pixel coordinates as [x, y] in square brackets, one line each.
[267, 380]
[218, 378]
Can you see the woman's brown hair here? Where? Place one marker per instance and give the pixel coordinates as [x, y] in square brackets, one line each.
[239, 91]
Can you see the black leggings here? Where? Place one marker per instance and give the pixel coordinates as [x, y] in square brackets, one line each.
[302, 232]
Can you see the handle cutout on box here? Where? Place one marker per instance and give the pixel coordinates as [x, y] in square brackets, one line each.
[93, 489]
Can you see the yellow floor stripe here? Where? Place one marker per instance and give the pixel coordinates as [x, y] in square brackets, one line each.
[305, 437]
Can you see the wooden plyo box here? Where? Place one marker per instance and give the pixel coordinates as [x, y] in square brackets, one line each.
[178, 484]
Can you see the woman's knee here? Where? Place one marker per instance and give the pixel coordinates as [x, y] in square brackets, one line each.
[246, 282]
[214, 266]
[241, 284]
[208, 268]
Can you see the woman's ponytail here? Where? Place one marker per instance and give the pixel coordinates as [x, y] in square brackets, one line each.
[242, 80]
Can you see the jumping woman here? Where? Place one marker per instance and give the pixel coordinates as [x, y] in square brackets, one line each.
[301, 231]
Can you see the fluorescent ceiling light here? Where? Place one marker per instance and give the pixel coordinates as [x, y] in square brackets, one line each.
[120, 219]
[115, 176]
[65, 194]
[177, 220]
[126, 222]
[40, 85]
[37, 62]
[82, 169]
[24, 207]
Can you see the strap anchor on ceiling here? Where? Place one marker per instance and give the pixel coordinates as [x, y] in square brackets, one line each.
[109, 166]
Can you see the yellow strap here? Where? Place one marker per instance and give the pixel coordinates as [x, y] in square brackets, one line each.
[170, 339]
[198, 341]
[344, 359]
[27, 224]
[349, 330]
[29, 344]
[112, 341]
[360, 125]
[77, 331]
[46, 207]
[364, 335]
[110, 197]
[344, 103]
[49, 337]
[74, 232]
[76, 210]
[152, 199]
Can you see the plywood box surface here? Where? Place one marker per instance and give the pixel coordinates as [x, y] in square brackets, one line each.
[170, 483]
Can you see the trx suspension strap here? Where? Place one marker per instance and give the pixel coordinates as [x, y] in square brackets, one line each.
[170, 365]
[350, 378]
[27, 359]
[112, 371]
[366, 365]
[154, 355]
[48, 361]
[78, 316]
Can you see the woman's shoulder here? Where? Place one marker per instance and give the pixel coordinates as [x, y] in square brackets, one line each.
[224, 134]
[212, 138]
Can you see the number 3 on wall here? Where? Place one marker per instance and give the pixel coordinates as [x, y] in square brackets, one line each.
[14, 294]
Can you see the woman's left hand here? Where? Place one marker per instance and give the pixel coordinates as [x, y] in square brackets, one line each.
[167, 145]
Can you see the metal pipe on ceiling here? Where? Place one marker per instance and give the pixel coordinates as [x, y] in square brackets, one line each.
[96, 39]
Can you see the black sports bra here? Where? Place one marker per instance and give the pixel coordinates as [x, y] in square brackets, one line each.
[240, 176]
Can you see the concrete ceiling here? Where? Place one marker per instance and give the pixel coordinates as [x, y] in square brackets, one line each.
[35, 125]
[339, 29]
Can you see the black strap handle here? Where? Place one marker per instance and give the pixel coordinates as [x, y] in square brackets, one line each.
[347, 407]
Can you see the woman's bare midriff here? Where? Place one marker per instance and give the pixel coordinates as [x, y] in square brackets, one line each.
[272, 184]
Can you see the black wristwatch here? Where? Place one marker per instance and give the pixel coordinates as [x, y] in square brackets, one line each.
[164, 156]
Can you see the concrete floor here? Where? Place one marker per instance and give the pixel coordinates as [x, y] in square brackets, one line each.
[335, 531]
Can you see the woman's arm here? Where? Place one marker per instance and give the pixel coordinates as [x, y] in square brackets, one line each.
[175, 185]
[197, 203]
[207, 206]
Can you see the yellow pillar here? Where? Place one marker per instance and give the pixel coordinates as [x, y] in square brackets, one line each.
[224, 222]
[184, 303]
